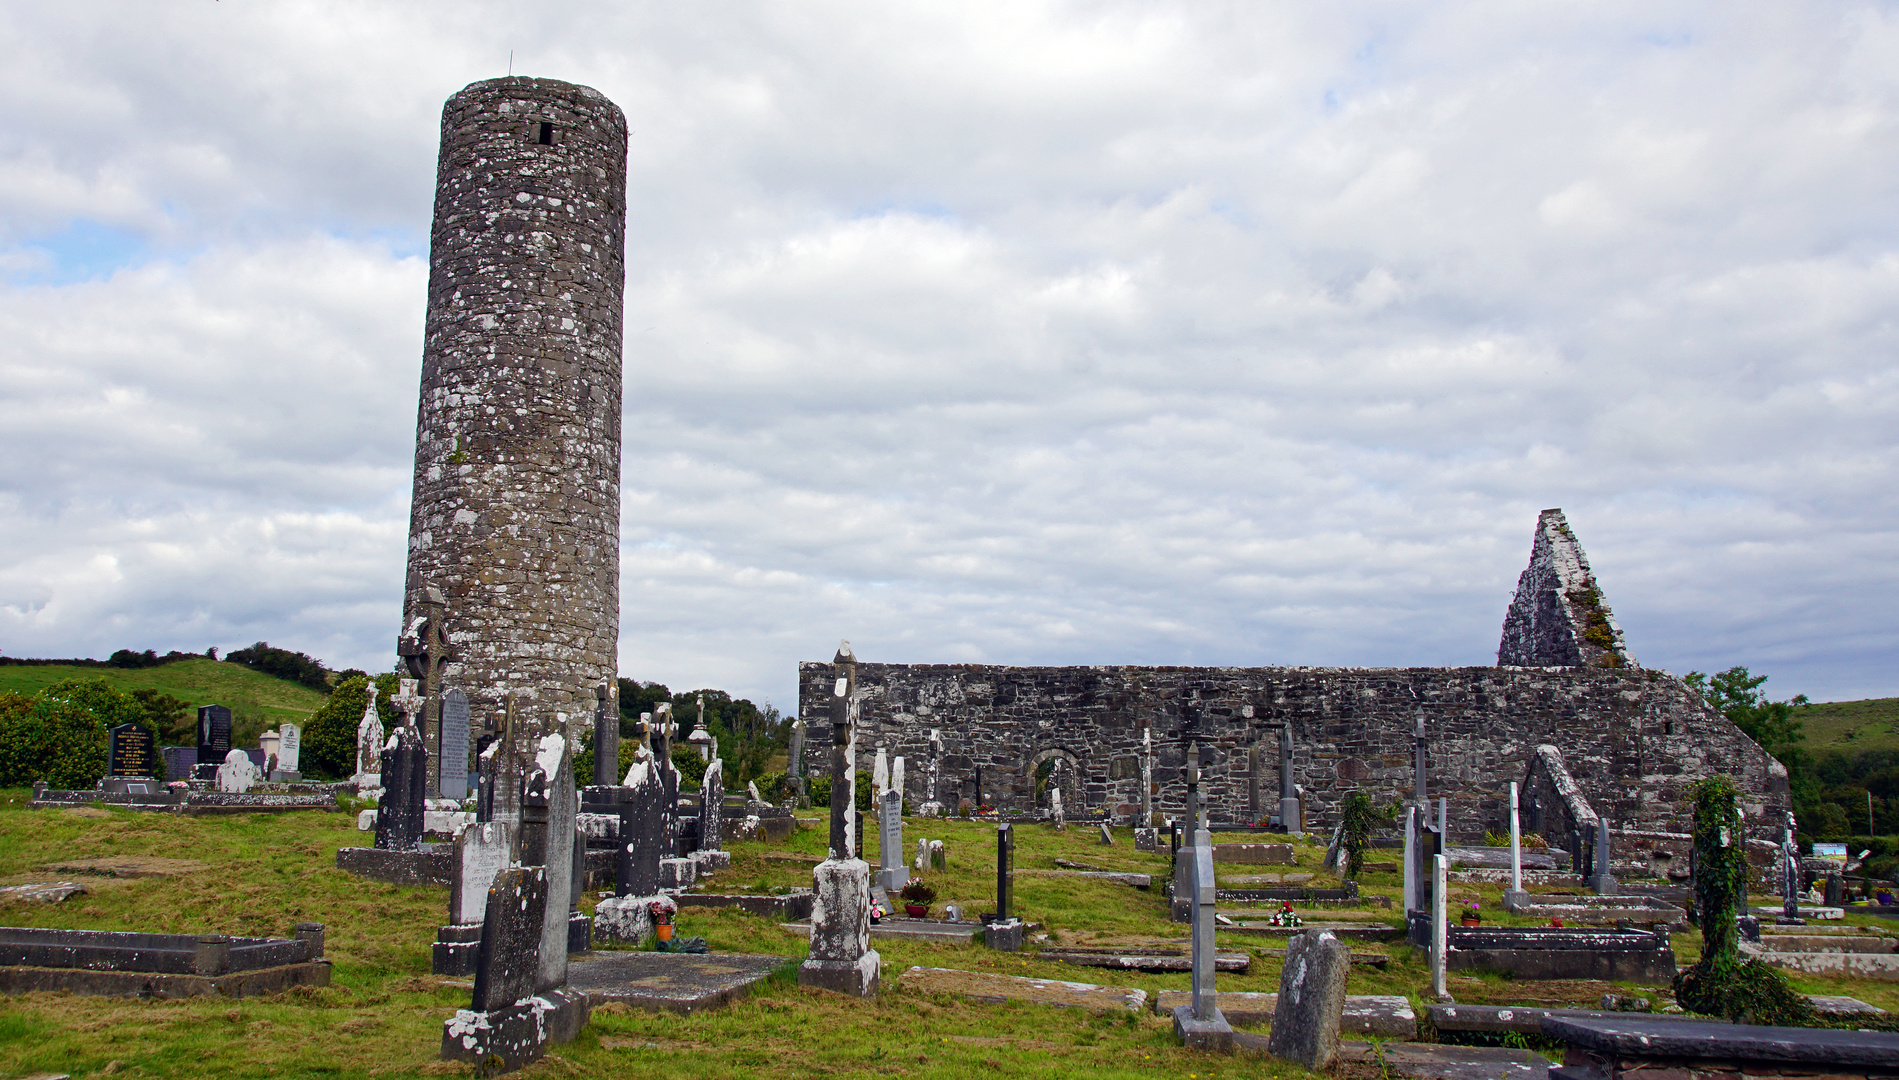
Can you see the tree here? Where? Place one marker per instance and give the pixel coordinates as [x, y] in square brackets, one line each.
[59, 735]
[1735, 694]
[284, 664]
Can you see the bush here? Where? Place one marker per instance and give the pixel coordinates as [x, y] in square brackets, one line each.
[59, 735]
[692, 767]
[284, 664]
[583, 761]
[820, 789]
[329, 739]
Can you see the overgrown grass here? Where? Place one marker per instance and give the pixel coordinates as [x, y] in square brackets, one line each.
[383, 1013]
[1851, 726]
[256, 700]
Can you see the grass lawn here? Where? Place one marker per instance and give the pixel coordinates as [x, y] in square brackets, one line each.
[256, 700]
[1851, 726]
[383, 1013]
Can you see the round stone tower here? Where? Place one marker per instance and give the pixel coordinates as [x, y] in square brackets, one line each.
[514, 532]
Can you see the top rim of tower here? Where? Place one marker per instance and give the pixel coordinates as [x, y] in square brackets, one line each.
[534, 87]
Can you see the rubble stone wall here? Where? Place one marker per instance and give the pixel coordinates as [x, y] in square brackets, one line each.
[516, 512]
[1631, 738]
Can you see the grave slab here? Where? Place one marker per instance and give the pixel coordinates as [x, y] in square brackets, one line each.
[1387, 1016]
[45, 892]
[1172, 960]
[672, 982]
[1254, 854]
[996, 989]
[1139, 881]
[1604, 1048]
[1424, 1061]
[793, 908]
[939, 931]
[1522, 1019]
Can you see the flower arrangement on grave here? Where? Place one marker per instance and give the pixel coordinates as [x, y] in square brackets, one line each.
[1471, 915]
[1285, 916]
[917, 898]
[662, 912]
[1557, 923]
[877, 913]
[179, 785]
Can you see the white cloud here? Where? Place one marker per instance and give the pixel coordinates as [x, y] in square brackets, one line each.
[1057, 332]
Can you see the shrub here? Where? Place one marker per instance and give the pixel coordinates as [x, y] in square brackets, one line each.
[294, 666]
[1358, 819]
[692, 767]
[820, 789]
[59, 735]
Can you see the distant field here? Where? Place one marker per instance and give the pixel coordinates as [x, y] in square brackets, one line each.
[1850, 726]
[256, 700]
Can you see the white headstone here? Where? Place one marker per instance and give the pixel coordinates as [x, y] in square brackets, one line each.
[237, 774]
[896, 774]
[289, 747]
[481, 852]
[879, 777]
[369, 737]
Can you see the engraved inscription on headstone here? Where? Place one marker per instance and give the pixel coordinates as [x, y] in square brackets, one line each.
[129, 751]
[214, 733]
[454, 780]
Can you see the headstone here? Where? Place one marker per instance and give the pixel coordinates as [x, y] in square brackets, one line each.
[1055, 813]
[939, 859]
[369, 740]
[289, 753]
[1311, 1000]
[454, 767]
[214, 734]
[890, 841]
[636, 869]
[554, 756]
[180, 761]
[923, 855]
[1107, 834]
[237, 774]
[712, 802]
[482, 851]
[879, 778]
[932, 800]
[1790, 876]
[509, 964]
[1005, 872]
[404, 800]
[896, 780]
[129, 751]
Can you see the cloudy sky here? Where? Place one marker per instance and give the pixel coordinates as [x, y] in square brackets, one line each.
[1009, 332]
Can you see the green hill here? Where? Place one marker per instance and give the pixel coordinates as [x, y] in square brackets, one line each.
[1851, 726]
[256, 700]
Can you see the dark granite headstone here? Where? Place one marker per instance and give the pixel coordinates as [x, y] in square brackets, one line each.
[642, 844]
[606, 739]
[509, 961]
[129, 751]
[454, 779]
[179, 761]
[405, 767]
[214, 735]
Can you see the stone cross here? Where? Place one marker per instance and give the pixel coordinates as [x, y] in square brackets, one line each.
[843, 747]
[606, 735]
[424, 648]
[1790, 875]
[1147, 778]
[1200, 1025]
[933, 804]
[1194, 803]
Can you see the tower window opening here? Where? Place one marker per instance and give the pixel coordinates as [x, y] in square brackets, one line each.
[547, 134]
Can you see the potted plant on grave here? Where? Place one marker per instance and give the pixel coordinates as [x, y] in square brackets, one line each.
[917, 898]
[1471, 916]
[662, 913]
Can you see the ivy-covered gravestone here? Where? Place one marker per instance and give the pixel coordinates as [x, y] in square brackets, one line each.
[1721, 983]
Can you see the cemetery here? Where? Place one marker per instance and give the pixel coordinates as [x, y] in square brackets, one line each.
[968, 869]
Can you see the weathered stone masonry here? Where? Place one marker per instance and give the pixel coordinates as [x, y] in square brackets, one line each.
[516, 512]
[1631, 739]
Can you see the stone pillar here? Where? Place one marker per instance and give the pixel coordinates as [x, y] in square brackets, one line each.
[1146, 837]
[1201, 1025]
[1515, 896]
[841, 958]
[1603, 881]
[1311, 1000]
[1290, 815]
[794, 762]
[1005, 931]
[1790, 876]
[554, 755]
[515, 512]
[1410, 859]
[1440, 926]
[844, 668]
[1417, 765]
[606, 736]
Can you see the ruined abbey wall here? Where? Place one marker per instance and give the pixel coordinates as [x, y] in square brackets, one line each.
[1631, 738]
